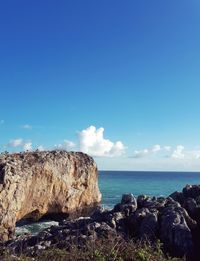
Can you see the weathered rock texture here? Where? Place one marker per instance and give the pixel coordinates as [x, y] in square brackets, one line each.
[143, 218]
[39, 183]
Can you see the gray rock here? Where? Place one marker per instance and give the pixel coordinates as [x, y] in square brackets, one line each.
[149, 227]
[140, 200]
[191, 206]
[127, 209]
[175, 233]
[191, 191]
[135, 220]
[178, 196]
[128, 198]
[148, 218]
[105, 231]
[198, 200]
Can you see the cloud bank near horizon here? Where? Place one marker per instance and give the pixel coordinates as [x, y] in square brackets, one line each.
[178, 153]
[19, 143]
[92, 141]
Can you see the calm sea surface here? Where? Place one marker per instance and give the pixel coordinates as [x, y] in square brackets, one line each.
[114, 183]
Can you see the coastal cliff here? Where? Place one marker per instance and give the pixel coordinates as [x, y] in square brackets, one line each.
[34, 184]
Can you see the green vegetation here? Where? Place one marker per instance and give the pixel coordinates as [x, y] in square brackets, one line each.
[112, 249]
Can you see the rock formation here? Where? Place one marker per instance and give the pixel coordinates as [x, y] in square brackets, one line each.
[34, 184]
[142, 217]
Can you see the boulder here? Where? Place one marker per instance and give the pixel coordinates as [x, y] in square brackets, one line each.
[174, 232]
[140, 200]
[149, 227]
[128, 204]
[128, 198]
[192, 208]
[191, 191]
[178, 196]
[135, 220]
[35, 184]
[144, 224]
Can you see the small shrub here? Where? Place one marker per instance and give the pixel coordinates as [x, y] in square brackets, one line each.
[111, 249]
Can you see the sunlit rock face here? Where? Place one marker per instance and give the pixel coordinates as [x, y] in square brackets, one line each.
[34, 184]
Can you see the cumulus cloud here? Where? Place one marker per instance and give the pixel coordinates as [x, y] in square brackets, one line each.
[178, 152]
[69, 144]
[41, 148]
[156, 148]
[146, 152]
[196, 154]
[92, 142]
[141, 153]
[182, 153]
[167, 148]
[66, 145]
[15, 143]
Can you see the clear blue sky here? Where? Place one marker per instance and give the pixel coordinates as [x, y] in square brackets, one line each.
[131, 67]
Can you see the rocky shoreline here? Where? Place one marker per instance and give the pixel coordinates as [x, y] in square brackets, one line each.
[173, 220]
[64, 185]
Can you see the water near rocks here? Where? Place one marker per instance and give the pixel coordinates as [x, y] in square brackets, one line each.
[174, 220]
[34, 228]
[115, 183]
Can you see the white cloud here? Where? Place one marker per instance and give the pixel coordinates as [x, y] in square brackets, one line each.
[69, 144]
[41, 148]
[27, 146]
[197, 154]
[192, 154]
[141, 153]
[178, 152]
[146, 152]
[156, 148]
[92, 142]
[66, 145]
[167, 148]
[26, 126]
[15, 143]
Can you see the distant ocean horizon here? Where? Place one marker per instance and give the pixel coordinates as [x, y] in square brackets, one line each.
[113, 184]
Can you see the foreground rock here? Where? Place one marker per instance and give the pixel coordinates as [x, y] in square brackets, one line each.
[45, 183]
[143, 218]
[34, 185]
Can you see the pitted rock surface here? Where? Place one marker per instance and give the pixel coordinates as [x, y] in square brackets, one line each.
[34, 184]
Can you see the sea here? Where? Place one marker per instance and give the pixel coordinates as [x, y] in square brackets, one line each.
[113, 184]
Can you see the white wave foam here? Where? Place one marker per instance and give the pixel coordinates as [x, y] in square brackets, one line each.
[34, 228]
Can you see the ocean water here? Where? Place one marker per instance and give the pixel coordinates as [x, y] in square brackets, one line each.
[115, 183]
[34, 228]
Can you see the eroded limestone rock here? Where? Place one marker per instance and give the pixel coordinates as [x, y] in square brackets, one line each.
[34, 184]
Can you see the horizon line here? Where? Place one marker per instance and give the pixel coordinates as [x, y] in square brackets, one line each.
[178, 171]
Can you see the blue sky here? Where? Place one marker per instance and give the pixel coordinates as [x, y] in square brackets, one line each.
[131, 68]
